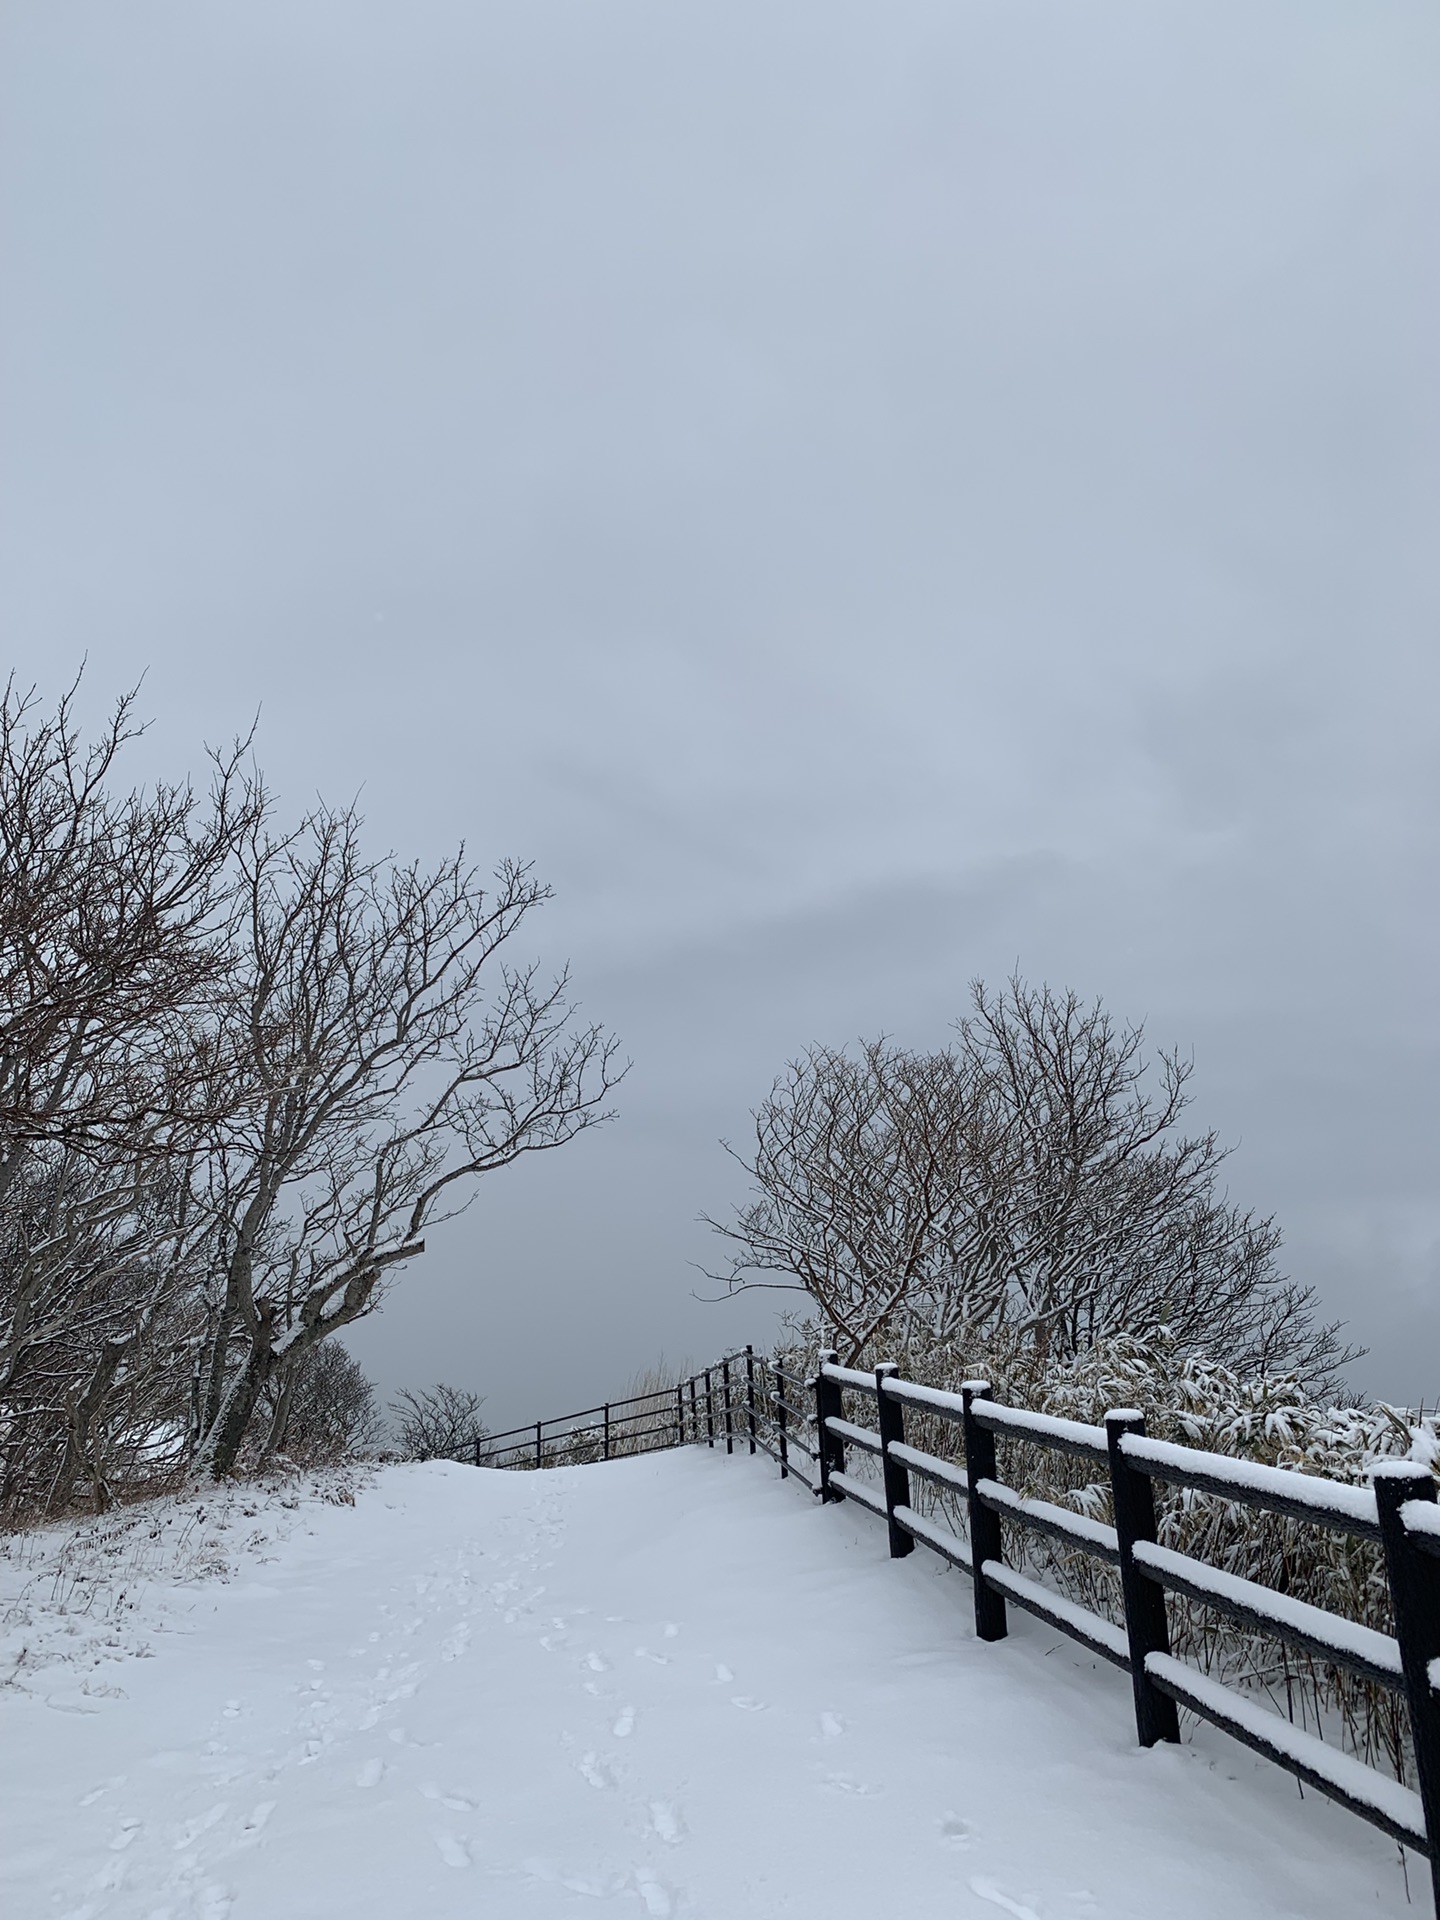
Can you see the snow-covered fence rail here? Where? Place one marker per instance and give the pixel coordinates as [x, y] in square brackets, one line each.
[716, 1405]
[807, 1419]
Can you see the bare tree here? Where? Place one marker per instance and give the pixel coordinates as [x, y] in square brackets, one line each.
[437, 1423]
[324, 1409]
[860, 1197]
[113, 935]
[379, 1055]
[241, 1074]
[98, 1276]
[111, 917]
[1033, 1177]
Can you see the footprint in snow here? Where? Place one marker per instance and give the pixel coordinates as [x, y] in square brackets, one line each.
[548, 1873]
[654, 1893]
[192, 1829]
[842, 1783]
[372, 1773]
[747, 1705]
[596, 1664]
[592, 1771]
[660, 1659]
[592, 1889]
[232, 1710]
[957, 1833]
[666, 1821]
[452, 1851]
[625, 1725]
[831, 1726]
[258, 1817]
[127, 1831]
[987, 1890]
[456, 1802]
[671, 1630]
[723, 1675]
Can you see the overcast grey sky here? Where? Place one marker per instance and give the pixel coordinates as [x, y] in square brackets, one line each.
[864, 495]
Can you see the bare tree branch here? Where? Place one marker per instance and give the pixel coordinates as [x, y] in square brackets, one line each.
[1031, 1178]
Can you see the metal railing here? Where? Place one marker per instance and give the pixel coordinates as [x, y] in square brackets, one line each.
[715, 1405]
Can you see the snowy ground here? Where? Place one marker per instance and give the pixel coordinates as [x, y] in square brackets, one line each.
[665, 1686]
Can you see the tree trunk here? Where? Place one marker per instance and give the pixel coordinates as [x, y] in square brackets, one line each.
[280, 1419]
[221, 1447]
[80, 1458]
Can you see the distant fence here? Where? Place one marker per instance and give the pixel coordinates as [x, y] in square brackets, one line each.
[801, 1424]
[714, 1403]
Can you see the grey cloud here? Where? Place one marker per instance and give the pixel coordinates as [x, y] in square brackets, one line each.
[861, 497]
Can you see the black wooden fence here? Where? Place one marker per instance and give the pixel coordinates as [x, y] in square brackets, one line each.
[1400, 1512]
[802, 1425]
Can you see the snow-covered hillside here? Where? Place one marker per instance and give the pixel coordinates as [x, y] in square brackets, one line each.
[665, 1686]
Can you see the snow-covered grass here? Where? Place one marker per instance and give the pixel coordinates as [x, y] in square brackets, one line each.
[82, 1593]
[669, 1685]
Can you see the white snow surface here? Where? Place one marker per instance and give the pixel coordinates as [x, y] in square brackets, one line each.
[672, 1685]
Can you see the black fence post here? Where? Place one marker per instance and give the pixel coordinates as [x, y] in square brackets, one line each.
[897, 1478]
[694, 1413]
[680, 1415]
[829, 1446]
[607, 1429]
[1414, 1577]
[782, 1419]
[709, 1410]
[478, 1444]
[729, 1408]
[750, 1391]
[1146, 1628]
[539, 1445]
[985, 1539]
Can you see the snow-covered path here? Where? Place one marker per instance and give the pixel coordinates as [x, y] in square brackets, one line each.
[665, 1686]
